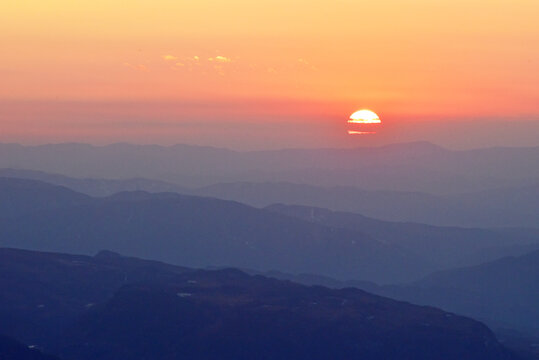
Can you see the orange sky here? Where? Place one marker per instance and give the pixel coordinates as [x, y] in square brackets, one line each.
[239, 60]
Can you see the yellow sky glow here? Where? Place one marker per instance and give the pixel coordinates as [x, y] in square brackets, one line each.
[446, 58]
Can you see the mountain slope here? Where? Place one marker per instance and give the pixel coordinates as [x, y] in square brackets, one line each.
[208, 232]
[201, 232]
[11, 349]
[504, 292]
[43, 292]
[21, 196]
[114, 307]
[444, 246]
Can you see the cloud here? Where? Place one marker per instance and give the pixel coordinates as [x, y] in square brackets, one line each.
[306, 64]
[169, 57]
[221, 59]
[364, 121]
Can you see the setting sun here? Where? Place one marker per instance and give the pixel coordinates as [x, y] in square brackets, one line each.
[364, 121]
[364, 117]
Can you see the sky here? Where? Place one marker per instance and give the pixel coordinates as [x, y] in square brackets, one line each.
[262, 74]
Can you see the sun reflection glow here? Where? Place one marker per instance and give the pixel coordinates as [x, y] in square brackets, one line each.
[354, 132]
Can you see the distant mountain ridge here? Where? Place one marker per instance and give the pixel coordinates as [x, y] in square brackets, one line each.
[503, 207]
[438, 244]
[402, 167]
[94, 186]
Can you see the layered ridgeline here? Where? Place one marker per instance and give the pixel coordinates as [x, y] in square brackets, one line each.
[403, 167]
[443, 245]
[501, 207]
[112, 307]
[200, 232]
[95, 186]
[516, 206]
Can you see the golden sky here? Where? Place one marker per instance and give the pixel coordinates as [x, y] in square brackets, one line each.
[420, 59]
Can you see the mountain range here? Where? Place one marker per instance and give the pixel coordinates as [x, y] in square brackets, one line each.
[507, 207]
[501, 207]
[412, 167]
[195, 231]
[199, 232]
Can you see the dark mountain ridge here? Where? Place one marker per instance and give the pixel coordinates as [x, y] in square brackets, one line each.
[112, 307]
[503, 293]
[11, 349]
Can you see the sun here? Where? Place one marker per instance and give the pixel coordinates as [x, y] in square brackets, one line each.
[363, 122]
[364, 116]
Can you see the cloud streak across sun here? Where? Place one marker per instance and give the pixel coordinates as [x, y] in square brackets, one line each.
[364, 121]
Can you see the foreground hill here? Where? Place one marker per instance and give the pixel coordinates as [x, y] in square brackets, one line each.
[112, 307]
[503, 293]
